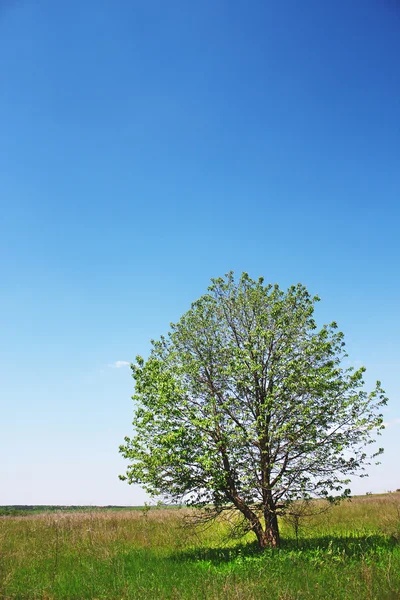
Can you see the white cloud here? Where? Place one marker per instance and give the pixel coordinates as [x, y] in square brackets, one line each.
[393, 422]
[119, 364]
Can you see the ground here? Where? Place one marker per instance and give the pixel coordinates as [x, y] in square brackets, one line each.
[350, 552]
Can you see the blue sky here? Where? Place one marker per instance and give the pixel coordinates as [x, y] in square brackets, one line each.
[146, 147]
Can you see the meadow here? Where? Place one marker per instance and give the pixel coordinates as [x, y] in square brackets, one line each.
[350, 552]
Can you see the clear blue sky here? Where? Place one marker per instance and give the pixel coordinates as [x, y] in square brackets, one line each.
[148, 146]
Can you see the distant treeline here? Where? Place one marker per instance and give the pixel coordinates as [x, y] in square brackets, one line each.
[25, 509]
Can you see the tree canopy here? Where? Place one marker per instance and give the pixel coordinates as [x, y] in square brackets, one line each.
[246, 404]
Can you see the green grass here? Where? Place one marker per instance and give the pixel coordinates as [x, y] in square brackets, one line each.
[350, 552]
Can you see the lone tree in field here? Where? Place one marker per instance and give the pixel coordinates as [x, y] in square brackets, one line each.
[246, 405]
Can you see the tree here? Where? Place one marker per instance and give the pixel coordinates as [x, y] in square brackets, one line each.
[247, 405]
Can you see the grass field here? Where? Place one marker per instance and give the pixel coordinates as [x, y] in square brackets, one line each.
[350, 552]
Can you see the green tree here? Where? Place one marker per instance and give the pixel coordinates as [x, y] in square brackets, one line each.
[246, 405]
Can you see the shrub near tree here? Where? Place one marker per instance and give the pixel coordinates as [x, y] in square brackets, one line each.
[246, 405]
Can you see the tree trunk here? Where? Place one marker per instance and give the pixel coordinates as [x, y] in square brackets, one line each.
[272, 530]
[269, 537]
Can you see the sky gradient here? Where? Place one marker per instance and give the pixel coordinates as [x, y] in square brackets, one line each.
[146, 147]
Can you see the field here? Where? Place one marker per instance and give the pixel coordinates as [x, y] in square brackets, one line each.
[350, 552]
